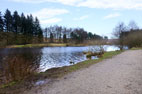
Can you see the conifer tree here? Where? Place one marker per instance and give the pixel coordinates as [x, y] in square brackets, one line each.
[1, 23]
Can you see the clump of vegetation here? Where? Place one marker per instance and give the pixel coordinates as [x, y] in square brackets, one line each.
[130, 35]
[134, 39]
[16, 67]
[95, 51]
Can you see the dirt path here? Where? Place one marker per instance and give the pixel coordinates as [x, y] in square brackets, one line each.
[120, 75]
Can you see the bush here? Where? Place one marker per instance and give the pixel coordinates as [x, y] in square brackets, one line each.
[18, 65]
[134, 39]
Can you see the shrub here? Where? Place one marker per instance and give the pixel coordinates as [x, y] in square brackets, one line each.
[134, 39]
[17, 66]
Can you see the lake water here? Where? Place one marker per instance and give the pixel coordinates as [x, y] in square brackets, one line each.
[47, 57]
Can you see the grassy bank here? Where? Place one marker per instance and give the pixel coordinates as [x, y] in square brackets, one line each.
[136, 48]
[16, 87]
[59, 72]
[46, 45]
[38, 45]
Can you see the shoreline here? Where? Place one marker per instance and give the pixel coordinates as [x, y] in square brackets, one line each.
[120, 74]
[53, 74]
[48, 45]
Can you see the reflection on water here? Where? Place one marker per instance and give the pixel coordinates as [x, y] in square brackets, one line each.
[61, 56]
[65, 56]
[44, 58]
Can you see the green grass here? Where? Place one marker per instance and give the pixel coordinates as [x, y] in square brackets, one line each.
[38, 45]
[87, 63]
[8, 85]
[46, 45]
[59, 72]
[136, 48]
[57, 45]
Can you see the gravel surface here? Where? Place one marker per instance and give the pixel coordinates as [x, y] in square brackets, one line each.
[120, 75]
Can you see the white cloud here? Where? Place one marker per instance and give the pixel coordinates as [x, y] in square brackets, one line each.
[29, 1]
[113, 15]
[112, 4]
[81, 18]
[50, 21]
[66, 2]
[49, 15]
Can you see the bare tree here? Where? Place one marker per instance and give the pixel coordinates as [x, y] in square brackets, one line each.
[133, 26]
[45, 34]
[119, 31]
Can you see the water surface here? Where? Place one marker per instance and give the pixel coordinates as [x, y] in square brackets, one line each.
[47, 57]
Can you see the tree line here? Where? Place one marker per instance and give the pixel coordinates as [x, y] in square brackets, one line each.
[19, 29]
[128, 35]
[63, 34]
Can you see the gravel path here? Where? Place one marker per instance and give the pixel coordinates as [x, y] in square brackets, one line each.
[120, 75]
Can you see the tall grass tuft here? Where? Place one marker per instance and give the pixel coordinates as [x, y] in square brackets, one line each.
[18, 66]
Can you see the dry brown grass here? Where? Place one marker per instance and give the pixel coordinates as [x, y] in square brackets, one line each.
[134, 39]
[16, 67]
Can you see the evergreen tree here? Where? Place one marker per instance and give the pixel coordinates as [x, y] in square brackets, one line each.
[90, 35]
[40, 36]
[38, 31]
[1, 23]
[23, 24]
[31, 25]
[8, 26]
[16, 22]
[8, 21]
[64, 38]
[16, 26]
[29, 29]
[36, 27]
[23, 30]
[1, 29]
[20, 29]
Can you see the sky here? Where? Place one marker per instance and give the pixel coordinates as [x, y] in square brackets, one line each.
[96, 16]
